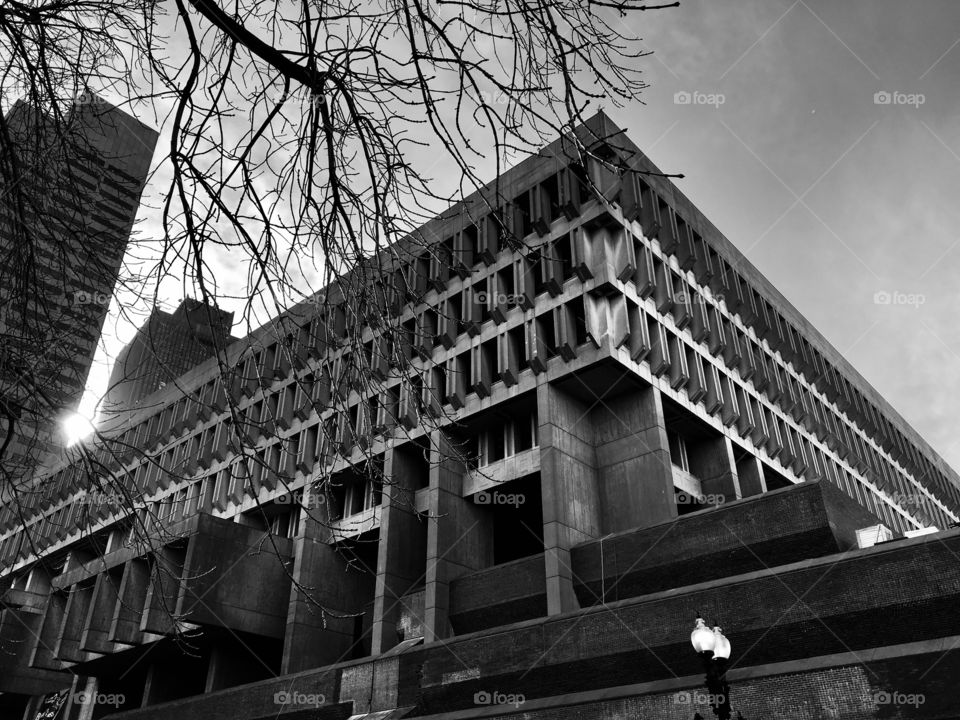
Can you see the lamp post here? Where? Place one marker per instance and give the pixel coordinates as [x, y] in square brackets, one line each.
[714, 650]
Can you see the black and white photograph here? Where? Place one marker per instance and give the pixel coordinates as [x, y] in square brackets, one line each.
[479, 359]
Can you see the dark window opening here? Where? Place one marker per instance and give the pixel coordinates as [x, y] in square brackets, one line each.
[517, 519]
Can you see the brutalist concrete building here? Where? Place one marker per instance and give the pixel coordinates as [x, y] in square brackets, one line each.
[599, 422]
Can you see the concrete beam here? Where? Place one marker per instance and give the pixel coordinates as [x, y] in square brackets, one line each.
[235, 576]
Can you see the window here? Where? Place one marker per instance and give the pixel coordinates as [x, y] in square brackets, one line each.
[678, 451]
[360, 495]
[507, 440]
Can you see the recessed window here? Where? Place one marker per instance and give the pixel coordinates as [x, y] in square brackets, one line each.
[678, 451]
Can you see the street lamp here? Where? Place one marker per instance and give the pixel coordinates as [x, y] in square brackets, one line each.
[713, 647]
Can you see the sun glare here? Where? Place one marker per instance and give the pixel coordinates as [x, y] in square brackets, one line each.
[76, 427]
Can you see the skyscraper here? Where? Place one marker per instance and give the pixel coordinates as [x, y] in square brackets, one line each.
[164, 348]
[71, 197]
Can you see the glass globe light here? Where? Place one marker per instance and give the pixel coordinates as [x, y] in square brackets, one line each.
[721, 646]
[702, 639]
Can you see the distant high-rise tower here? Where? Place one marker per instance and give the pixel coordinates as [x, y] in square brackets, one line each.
[71, 190]
[165, 347]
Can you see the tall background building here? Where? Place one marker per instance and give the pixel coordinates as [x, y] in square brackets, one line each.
[164, 348]
[70, 200]
[593, 418]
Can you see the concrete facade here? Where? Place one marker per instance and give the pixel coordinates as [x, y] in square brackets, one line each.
[573, 452]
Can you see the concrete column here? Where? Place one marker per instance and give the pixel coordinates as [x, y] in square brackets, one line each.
[325, 597]
[459, 536]
[125, 624]
[74, 620]
[750, 474]
[85, 688]
[44, 654]
[712, 462]
[103, 604]
[402, 552]
[569, 489]
[163, 590]
[633, 459]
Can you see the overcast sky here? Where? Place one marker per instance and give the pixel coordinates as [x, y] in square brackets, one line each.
[846, 199]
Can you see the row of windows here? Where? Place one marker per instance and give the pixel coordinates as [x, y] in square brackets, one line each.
[641, 203]
[675, 296]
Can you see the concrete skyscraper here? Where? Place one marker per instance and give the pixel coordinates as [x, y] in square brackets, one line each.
[164, 348]
[70, 200]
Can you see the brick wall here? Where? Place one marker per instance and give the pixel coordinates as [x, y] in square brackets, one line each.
[806, 521]
[821, 607]
[501, 595]
[920, 687]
